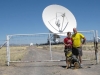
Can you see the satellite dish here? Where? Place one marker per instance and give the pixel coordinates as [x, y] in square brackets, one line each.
[58, 19]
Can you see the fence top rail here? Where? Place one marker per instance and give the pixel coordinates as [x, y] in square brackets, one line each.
[45, 33]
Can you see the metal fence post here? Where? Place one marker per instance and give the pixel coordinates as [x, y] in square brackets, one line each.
[8, 52]
[50, 46]
[96, 48]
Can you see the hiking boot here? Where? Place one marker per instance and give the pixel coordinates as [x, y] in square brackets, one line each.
[81, 65]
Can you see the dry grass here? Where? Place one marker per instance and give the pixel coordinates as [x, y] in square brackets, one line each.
[2, 56]
[88, 49]
[16, 53]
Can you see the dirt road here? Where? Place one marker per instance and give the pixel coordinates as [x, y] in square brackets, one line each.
[47, 68]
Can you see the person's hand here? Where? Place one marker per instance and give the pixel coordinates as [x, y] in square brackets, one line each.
[65, 44]
[68, 44]
[81, 45]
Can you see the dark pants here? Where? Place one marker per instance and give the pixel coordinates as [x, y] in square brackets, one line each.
[77, 51]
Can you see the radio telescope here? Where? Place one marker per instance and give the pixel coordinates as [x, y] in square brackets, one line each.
[58, 19]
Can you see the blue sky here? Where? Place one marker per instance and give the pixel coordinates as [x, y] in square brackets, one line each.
[25, 16]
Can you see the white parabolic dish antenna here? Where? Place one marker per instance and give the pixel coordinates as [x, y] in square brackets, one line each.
[58, 19]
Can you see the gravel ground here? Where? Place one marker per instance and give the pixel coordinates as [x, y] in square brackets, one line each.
[47, 68]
